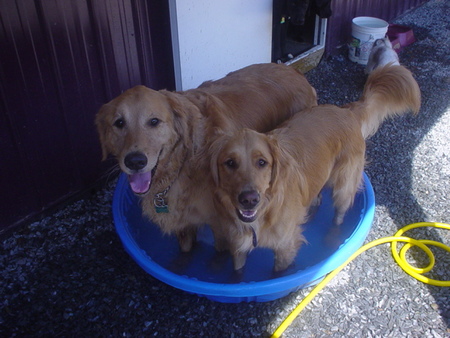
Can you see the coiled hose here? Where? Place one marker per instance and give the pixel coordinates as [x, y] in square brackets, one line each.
[417, 273]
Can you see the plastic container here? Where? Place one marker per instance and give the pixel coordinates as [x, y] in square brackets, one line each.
[207, 273]
[400, 36]
[365, 30]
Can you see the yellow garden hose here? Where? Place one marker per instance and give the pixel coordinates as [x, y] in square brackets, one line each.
[400, 259]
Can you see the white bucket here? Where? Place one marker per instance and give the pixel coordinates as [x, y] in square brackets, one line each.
[365, 30]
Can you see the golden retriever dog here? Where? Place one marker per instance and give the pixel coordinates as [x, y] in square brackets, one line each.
[159, 138]
[266, 183]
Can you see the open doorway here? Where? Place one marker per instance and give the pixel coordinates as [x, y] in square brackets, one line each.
[299, 31]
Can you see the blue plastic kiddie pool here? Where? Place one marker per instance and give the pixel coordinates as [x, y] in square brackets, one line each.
[207, 273]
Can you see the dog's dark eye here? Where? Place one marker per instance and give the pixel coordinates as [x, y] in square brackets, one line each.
[119, 123]
[230, 163]
[153, 122]
[262, 163]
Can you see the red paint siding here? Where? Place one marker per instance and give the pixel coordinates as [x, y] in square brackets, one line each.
[59, 61]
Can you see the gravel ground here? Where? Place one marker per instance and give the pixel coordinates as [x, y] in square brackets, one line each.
[68, 274]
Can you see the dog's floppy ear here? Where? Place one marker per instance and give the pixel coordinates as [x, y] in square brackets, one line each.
[214, 152]
[104, 129]
[217, 113]
[180, 107]
[277, 165]
[286, 171]
[187, 118]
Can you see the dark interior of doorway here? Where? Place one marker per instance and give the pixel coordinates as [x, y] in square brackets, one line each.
[293, 29]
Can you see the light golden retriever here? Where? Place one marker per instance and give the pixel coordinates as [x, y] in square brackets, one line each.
[159, 138]
[266, 183]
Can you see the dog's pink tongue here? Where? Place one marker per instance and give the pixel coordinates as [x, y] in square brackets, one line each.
[140, 183]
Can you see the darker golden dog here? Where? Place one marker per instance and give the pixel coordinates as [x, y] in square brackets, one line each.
[159, 138]
[266, 183]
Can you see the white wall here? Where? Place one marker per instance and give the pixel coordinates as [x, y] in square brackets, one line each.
[213, 37]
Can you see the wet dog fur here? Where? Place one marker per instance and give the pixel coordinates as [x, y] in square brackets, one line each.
[160, 138]
[266, 183]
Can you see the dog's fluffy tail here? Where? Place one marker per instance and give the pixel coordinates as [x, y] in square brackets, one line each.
[389, 91]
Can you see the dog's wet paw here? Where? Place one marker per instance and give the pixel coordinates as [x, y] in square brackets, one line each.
[186, 239]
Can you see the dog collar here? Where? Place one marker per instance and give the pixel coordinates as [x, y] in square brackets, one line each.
[159, 201]
[254, 238]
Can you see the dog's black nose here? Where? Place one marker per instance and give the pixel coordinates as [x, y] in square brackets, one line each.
[135, 161]
[249, 199]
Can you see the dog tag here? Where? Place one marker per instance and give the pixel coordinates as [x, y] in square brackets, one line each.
[162, 210]
[254, 238]
[160, 203]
